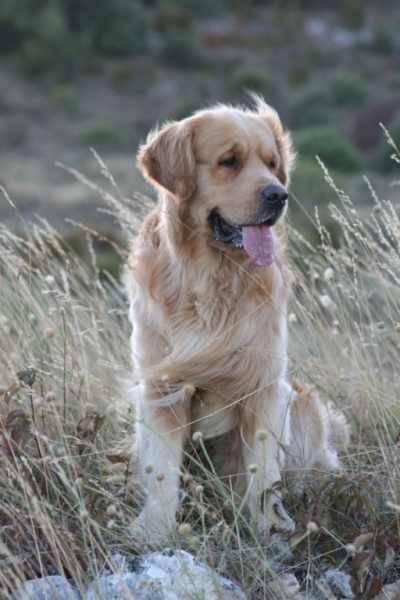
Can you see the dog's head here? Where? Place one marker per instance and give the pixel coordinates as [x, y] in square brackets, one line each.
[228, 171]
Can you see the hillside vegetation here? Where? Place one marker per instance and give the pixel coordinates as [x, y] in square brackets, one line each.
[101, 74]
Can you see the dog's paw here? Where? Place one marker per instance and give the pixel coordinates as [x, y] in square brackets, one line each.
[273, 516]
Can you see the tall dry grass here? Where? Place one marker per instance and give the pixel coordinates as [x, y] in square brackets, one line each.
[64, 351]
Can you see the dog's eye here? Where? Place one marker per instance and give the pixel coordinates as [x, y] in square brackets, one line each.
[231, 162]
[272, 164]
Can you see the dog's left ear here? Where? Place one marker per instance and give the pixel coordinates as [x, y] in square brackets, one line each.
[167, 159]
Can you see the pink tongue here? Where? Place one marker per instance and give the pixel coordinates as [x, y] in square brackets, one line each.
[258, 242]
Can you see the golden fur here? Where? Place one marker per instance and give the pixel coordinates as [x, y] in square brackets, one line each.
[209, 327]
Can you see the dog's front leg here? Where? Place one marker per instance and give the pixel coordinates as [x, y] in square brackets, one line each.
[265, 434]
[161, 434]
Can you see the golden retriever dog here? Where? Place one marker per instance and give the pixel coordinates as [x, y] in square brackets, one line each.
[208, 287]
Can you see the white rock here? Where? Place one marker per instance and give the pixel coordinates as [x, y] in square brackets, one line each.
[53, 587]
[165, 576]
[338, 583]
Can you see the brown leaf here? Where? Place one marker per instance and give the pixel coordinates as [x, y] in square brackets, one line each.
[13, 389]
[117, 458]
[390, 557]
[101, 517]
[5, 447]
[16, 431]
[85, 427]
[361, 562]
[373, 590]
[355, 587]
[89, 426]
[18, 424]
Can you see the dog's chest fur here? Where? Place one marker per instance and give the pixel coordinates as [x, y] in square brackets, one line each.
[219, 327]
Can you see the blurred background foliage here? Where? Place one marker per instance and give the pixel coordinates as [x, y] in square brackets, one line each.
[101, 73]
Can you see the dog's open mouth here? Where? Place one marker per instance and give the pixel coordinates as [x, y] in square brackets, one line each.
[256, 240]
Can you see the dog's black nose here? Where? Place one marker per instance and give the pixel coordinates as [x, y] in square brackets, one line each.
[275, 195]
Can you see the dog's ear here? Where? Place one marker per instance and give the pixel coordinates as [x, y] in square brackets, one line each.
[167, 159]
[283, 138]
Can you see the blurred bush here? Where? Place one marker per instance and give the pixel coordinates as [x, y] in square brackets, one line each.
[256, 79]
[203, 8]
[180, 49]
[353, 13]
[367, 133]
[331, 147]
[347, 89]
[63, 34]
[309, 190]
[298, 74]
[100, 134]
[310, 106]
[393, 82]
[385, 39]
[119, 28]
[168, 17]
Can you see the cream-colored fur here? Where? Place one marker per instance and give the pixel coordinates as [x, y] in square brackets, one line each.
[209, 327]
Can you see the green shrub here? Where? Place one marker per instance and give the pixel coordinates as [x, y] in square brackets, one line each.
[347, 89]
[202, 8]
[251, 78]
[385, 38]
[46, 42]
[100, 134]
[181, 50]
[63, 34]
[331, 147]
[120, 28]
[298, 74]
[384, 162]
[353, 13]
[64, 95]
[310, 107]
[310, 190]
[169, 17]
[393, 82]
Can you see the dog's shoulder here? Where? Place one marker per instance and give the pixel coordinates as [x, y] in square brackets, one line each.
[148, 239]
[143, 254]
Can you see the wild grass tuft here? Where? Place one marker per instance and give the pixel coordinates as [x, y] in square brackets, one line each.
[65, 500]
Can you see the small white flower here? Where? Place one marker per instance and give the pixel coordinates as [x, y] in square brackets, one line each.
[312, 527]
[292, 317]
[328, 274]
[49, 279]
[111, 510]
[184, 529]
[197, 436]
[325, 300]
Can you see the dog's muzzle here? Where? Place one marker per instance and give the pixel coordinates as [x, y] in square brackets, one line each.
[255, 238]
